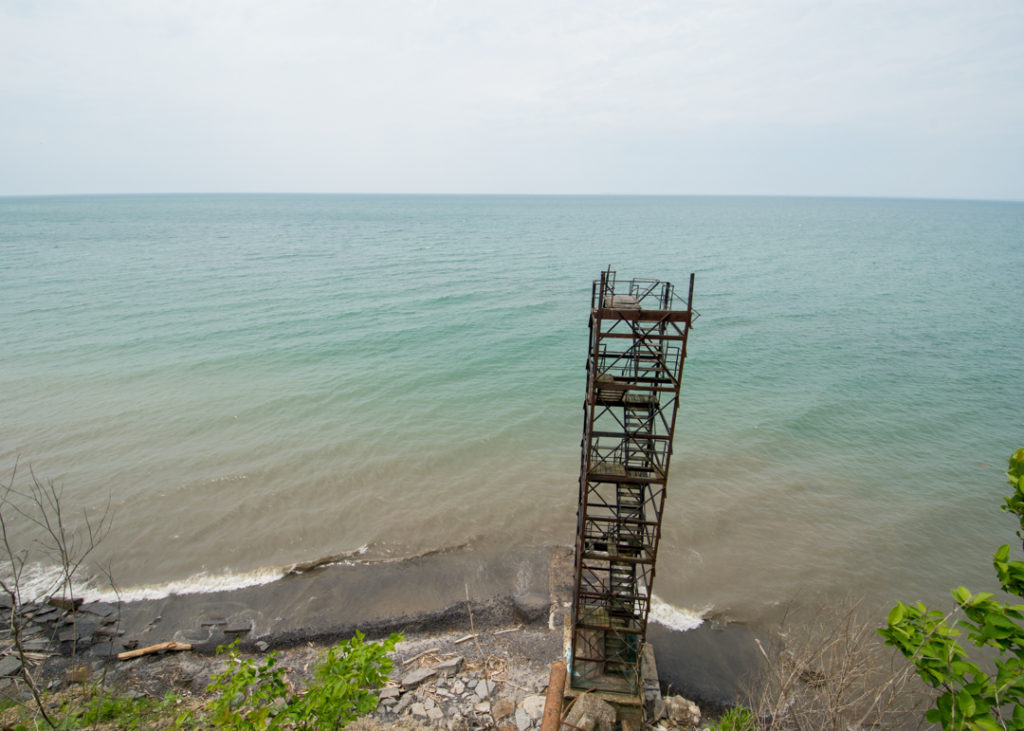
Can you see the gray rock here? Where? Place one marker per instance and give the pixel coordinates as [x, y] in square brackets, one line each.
[523, 720]
[450, 667]
[435, 714]
[418, 709]
[458, 687]
[262, 646]
[416, 678]
[9, 666]
[533, 705]
[45, 614]
[484, 689]
[103, 649]
[482, 707]
[389, 691]
[100, 609]
[502, 707]
[404, 702]
[428, 703]
[683, 713]
[591, 712]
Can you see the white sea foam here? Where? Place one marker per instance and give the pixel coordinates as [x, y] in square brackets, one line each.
[677, 618]
[37, 581]
[202, 583]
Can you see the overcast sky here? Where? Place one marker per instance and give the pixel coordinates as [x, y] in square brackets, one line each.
[887, 98]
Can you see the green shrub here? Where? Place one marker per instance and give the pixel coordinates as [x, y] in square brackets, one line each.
[737, 718]
[255, 695]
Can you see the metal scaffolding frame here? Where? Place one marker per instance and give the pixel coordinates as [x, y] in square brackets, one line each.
[638, 332]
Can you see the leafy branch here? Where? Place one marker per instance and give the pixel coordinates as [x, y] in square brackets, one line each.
[969, 696]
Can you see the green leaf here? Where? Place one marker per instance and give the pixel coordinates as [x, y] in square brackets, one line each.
[897, 614]
[965, 702]
[985, 723]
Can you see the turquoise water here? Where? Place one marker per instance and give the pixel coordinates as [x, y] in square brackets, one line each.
[256, 381]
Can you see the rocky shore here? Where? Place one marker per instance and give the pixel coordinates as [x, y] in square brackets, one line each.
[481, 632]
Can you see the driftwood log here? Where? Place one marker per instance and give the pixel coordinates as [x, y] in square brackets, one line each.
[160, 647]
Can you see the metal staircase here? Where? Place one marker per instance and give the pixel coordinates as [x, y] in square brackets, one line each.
[638, 333]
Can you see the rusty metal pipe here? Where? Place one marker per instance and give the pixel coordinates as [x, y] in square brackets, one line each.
[552, 718]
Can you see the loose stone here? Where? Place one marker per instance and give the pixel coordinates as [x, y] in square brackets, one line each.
[502, 707]
[484, 689]
[449, 667]
[418, 709]
[415, 678]
[523, 720]
[100, 609]
[403, 703]
[9, 666]
[534, 706]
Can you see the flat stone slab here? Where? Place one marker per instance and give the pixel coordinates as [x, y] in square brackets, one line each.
[416, 678]
[9, 666]
[449, 667]
[100, 609]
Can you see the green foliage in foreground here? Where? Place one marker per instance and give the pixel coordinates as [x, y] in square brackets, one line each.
[970, 697]
[248, 694]
[126, 713]
[255, 695]
[99, 707]
[738, 718]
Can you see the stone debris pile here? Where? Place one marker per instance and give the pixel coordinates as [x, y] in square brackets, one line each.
[451, 692]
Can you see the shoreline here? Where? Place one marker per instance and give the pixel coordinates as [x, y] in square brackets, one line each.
[517, 603]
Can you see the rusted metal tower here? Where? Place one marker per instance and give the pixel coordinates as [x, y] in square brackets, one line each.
[638, 332]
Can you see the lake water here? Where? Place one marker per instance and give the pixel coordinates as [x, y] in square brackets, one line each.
[259, 380]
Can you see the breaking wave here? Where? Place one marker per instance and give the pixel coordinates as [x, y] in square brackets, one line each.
[677, 618]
